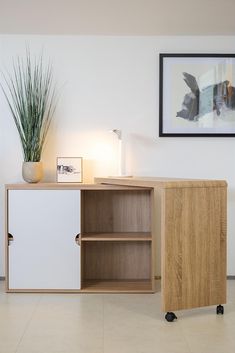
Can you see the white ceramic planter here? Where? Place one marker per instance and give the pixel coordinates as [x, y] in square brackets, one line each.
[32, 172]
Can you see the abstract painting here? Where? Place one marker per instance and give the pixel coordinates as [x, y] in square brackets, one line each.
[197, 95]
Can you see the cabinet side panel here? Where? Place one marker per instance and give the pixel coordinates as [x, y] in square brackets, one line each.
[156, 228]
[44, 254]
[6, 242]
[193, 247]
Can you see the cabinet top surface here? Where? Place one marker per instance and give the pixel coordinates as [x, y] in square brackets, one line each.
[72, 186]
[122, 183]
[162, 182]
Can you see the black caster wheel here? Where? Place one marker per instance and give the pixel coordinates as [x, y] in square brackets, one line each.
[170, 317]
[220, 310]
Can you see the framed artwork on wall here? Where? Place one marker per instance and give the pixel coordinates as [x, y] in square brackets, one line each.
[197, 95]
[69, 169]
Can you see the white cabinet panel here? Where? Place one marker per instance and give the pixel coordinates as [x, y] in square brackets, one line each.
[44, 224]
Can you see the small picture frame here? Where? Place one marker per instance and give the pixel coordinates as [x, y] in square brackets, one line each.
[69, 170]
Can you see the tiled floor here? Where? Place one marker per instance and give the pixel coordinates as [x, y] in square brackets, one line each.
[110, 323]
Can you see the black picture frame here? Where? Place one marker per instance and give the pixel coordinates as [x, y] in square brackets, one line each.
[204, 84]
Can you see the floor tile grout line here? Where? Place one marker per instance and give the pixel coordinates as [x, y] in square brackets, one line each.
[184, 337]
[28, 323]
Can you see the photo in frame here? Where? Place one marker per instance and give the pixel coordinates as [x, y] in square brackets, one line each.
[197, 95]
[69, 169]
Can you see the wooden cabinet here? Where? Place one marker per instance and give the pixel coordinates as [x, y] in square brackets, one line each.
[124, 225]
[71, 237]
[189, 224]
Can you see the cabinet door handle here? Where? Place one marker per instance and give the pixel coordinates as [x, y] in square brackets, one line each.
[78, 239]
[10, 239]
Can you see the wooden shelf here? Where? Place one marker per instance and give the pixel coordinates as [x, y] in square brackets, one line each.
[127, 286]
[117, 236]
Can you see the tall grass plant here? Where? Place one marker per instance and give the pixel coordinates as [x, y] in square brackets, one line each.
[31, 97]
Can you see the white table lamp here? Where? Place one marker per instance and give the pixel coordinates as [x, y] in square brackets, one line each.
[121, 161]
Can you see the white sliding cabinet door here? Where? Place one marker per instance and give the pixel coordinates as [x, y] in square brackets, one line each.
[44, 224]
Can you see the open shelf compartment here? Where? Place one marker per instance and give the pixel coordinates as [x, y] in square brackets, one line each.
[117, 266]
[116, 241]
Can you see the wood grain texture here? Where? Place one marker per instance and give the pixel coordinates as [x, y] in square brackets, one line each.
[116, 211]
[98, 286]
[68, 186]
[193, 247]
[190, 224]
[117, 260]
[162, 182]
[129, 286]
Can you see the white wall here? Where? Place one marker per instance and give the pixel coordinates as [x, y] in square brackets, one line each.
[118, 17]
[112, 82]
